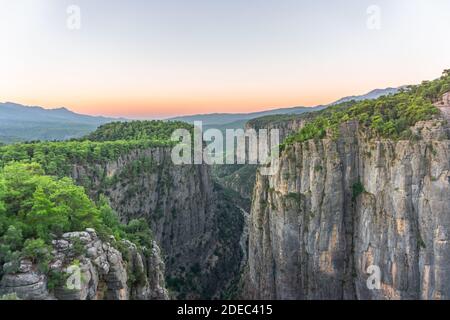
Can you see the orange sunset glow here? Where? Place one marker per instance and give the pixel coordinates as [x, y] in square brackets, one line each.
[149, 61]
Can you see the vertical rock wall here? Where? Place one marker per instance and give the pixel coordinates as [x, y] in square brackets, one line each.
[334, 208]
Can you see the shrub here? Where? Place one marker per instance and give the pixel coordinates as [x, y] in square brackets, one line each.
[13, 238]
[357, 190]
[56, 278]
[38, 251]
[78, 248]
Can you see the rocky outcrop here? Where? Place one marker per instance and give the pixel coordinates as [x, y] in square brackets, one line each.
[148, 271]
[26, 283]
[96, 269]
[285, 124]
[238, 178]
[337, 210]
[444, 105]
[197, 229]
[241, 178]
[85, 268]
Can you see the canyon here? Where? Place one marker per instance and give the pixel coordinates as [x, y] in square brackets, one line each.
[344, 200]
[335, 207]
[197, 228]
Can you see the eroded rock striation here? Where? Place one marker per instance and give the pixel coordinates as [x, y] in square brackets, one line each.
[334, 208]
[197, 229]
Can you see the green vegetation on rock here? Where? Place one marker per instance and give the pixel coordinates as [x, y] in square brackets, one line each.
[36, 208]
[107, 143]
[389, 116]
[57, 158]
[156, 131]
[39, 202]
[357, 190]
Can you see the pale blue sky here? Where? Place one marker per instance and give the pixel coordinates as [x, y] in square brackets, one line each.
[145, 58]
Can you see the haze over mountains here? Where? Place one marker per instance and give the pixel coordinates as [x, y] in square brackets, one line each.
[223, 121]
[374, 94]
[24, 123]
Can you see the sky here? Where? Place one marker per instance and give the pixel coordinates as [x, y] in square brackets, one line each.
[150, 59]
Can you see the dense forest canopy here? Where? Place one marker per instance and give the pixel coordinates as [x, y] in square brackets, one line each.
[57, 158]
[108, 142]
[137, 130]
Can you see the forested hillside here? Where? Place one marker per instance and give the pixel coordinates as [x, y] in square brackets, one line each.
[39, 202]
[156, 131]
[126, 185]
[106, 143]
[389, 116]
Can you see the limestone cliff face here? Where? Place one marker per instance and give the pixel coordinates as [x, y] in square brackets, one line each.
[336, 207]
[241, 178]
[87, 268]
[285, 126]
[197, 230]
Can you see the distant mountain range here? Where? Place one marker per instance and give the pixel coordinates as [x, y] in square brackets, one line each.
[24, 123]
[223, 121]
[374, 94]
[222, 118]
[237, 120]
